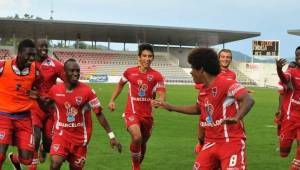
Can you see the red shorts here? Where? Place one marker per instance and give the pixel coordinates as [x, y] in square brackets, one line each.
[43, 120]
[145, 123]
[230, 155]
[74, 154]
[17, 132]
[290, 130]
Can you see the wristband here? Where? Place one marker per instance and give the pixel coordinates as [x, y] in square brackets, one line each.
[111, 135]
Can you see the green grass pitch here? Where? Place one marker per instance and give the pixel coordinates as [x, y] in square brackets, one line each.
[174, 135]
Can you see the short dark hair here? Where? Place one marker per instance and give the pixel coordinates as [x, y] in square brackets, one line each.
[224, 50]
[143, 47]
[292, 64]
[27, 43]
[68, 61]
[205, 58]
[298, 48]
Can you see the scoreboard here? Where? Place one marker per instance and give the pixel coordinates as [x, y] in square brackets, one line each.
[265, 48]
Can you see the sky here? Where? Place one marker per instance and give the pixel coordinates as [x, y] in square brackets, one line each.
[272, 18]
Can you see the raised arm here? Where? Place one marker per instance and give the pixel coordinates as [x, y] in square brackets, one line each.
[115, 94]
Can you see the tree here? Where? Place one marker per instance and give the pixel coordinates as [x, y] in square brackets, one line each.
[17, 16]
[26, 16]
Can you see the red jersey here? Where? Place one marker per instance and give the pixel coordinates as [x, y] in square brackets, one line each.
[293, 75]
[142, 89]
[229, 74]
[73, 120]
[217, 102]
[49, 70]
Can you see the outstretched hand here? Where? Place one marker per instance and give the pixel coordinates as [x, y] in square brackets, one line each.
[156, 103]
[115, 144]
[112, 106]
[251, 91]
[161, 104]
[280, 63]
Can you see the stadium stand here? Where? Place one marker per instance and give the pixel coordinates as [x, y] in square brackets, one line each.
[114, 63]
[242, 77]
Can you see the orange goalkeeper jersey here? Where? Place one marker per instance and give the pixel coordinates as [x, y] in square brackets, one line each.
[14, 85]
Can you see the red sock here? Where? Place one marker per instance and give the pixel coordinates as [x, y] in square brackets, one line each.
[34, 162]
[15, 158]
[296, 162]
[135, 156]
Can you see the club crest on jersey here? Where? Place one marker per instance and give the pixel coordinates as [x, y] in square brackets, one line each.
[209, 119]
[131, 118]
[214, 91]
[78, 100]
[2, 135]
[48, 62]
[56, 147]
[71, 112]
[149, 77]
[142, 88]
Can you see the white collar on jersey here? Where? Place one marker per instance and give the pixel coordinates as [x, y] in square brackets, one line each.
[25, 71]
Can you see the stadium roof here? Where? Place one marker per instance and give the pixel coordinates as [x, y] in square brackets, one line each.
[109, 32]
[294, 32]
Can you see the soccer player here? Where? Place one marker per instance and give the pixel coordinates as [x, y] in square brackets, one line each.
[285, 92]
[290, 128]
[225, 58]
[16, 80]
[217, 105]
[144, 82]
[73, 102]
[49, 70]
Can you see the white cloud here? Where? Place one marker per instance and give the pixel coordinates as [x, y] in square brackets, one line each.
[11, 7]
[4, 5]
[24, 5]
